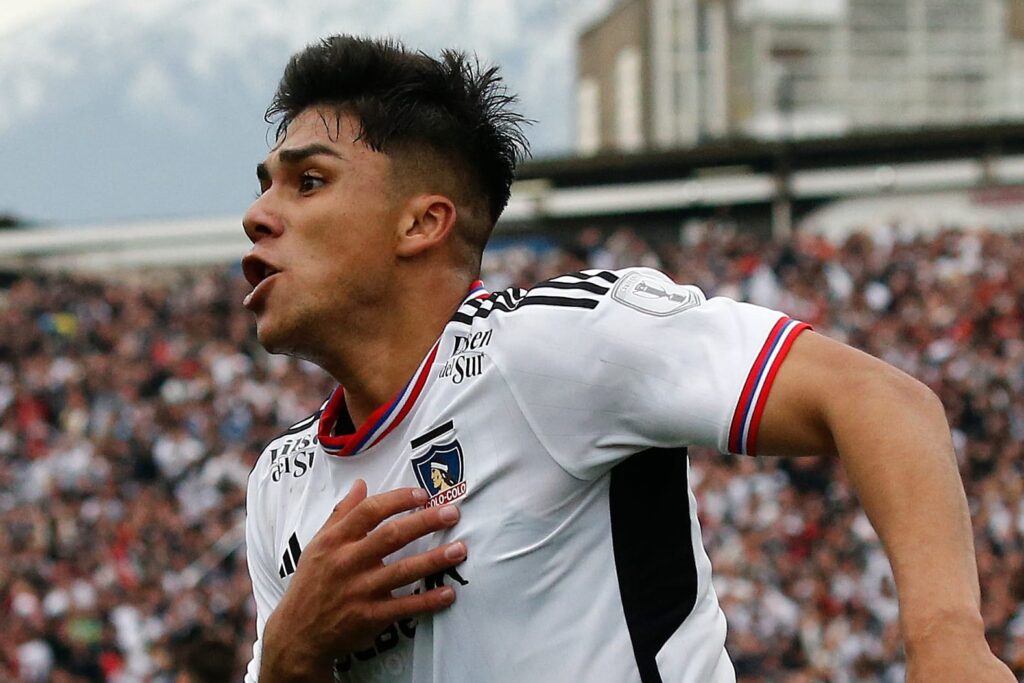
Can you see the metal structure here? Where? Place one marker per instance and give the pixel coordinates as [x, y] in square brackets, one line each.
[659, 74]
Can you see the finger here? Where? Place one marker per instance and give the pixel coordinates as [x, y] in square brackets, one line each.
[341, 510]
[407, 606]
[355, 495]
[370, 512]
[399, 533]
[410, 569]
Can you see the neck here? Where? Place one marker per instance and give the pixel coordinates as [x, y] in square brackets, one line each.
[374, 360]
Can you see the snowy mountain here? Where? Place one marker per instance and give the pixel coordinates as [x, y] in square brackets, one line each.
[129, 108]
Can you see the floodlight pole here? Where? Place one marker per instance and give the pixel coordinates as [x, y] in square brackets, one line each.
[782, 202]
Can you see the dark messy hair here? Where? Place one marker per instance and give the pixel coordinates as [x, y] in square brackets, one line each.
[446, 111]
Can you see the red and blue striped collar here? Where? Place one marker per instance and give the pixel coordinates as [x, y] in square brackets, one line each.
[382, 421]
[476, 291]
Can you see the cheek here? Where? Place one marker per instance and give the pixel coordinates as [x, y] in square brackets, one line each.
[354, 241]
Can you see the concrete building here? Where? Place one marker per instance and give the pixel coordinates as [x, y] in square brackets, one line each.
[669, 73]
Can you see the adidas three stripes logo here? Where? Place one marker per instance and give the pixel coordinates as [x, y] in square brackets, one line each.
[290, 559]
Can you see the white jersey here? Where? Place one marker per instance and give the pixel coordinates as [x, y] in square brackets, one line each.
[557, 419]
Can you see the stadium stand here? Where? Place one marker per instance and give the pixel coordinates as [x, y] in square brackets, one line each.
[132, 412]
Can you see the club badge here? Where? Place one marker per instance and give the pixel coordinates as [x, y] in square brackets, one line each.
[438, 464]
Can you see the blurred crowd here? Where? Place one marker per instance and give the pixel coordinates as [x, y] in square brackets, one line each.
[133, 408]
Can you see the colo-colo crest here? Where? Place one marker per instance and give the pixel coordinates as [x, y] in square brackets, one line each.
[439, 465]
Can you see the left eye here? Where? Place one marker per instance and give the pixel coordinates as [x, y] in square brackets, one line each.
[309, 183]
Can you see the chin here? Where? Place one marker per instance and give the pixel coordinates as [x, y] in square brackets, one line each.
[272, 337]
[282, 338]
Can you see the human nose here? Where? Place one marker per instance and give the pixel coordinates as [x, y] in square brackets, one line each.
[260, 220]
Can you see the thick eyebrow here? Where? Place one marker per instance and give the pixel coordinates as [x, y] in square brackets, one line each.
[294, 156]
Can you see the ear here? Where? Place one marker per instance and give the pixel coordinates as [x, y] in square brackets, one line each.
[428, 222]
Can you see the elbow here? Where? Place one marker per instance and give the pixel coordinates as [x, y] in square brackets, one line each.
[886, 385]
[884, 403]
[915, 394]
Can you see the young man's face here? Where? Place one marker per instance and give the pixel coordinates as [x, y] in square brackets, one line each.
[324, 230]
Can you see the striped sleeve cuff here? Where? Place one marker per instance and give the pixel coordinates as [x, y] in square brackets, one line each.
[747, 416]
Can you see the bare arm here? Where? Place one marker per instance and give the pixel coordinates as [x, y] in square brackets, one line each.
[891, 435]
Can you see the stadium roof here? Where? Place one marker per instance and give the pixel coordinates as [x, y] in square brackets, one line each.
[861, 148]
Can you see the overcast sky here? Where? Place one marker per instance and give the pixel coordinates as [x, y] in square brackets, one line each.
[15, 14]
[18, 13]
[161, 99]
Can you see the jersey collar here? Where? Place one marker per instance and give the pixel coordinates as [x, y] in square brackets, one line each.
[384, 419]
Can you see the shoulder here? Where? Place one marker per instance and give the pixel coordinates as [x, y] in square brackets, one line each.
[298, 437]
[575, 302]
[575, 320]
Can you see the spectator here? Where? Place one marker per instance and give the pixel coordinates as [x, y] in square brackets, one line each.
[132, 412]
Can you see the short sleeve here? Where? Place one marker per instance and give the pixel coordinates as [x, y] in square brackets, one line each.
[647, 363]
[265, 587]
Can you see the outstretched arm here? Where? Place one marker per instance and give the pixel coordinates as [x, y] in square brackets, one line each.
[891, 435]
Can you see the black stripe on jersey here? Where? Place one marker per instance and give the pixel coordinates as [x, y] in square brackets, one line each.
[471, 309]
[290, 558]
[432, 434]
[510, 299]
[654, 562]
[286, 567]
[580, 285]
[603, 274]
[506, 302]
[558, 301]
[293, 545]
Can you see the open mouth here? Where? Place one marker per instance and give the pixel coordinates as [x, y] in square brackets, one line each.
[256, 272]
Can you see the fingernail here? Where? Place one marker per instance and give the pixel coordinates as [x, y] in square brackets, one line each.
[448, 513]
[420, 496]
[447, 594]
[456, 551]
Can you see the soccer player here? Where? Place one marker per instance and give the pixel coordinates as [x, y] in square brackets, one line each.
[559, 417]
